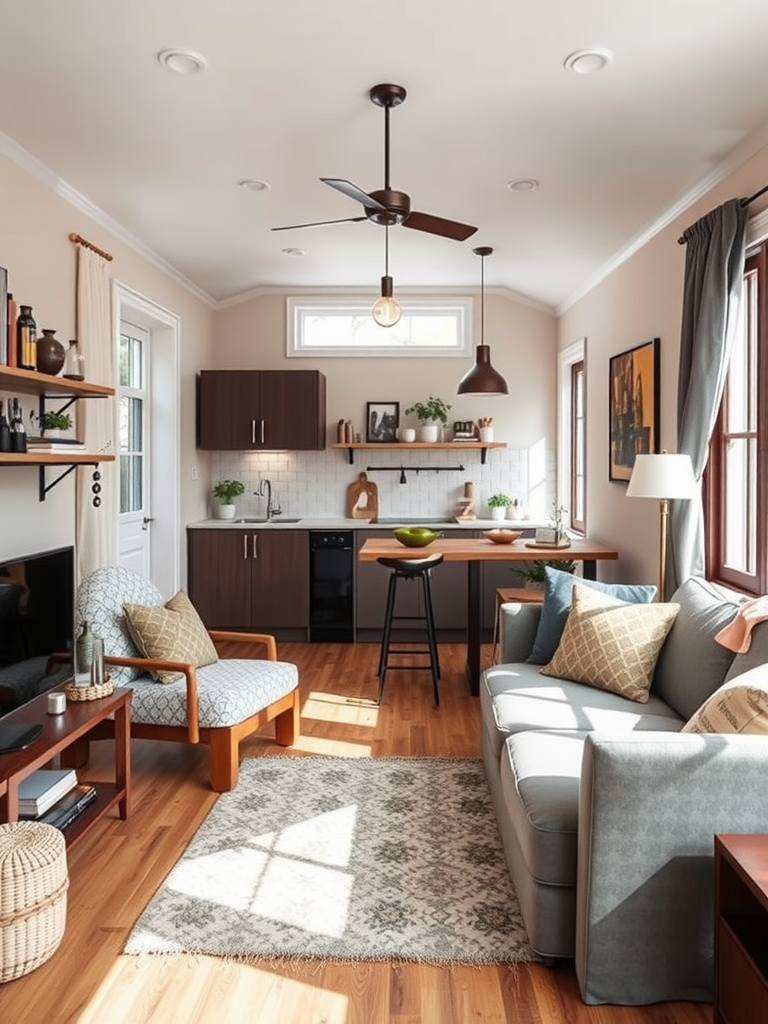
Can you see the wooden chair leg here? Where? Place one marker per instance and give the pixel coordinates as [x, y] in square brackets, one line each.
[224, 760]
[287, 724]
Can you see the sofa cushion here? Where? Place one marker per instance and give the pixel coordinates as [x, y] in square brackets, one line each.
[558, 586]
[739, 706]
[610, 644]
[692, 665]
[174, 632]
[515, 698]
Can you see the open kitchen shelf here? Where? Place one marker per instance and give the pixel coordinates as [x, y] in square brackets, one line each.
[481, 446]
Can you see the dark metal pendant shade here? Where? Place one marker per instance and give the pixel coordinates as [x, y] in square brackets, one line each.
[482, 379]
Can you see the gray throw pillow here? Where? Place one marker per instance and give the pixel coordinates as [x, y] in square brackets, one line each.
[558, 587]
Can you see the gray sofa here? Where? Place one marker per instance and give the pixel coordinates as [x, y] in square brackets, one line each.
[608, 812]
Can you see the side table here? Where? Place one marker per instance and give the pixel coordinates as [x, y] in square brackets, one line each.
[59, 733]
[741, 926]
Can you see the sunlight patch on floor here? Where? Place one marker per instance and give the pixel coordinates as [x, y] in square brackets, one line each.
[334, 707]
[331, 748]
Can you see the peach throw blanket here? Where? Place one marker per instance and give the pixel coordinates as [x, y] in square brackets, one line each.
[736, 636]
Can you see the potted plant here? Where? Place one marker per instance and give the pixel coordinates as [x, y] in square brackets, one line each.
[433, 415]
[52, 423]
[226, 491]
[498, 504]
[534, 572]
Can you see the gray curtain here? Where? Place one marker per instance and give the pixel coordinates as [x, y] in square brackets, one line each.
[714, 268]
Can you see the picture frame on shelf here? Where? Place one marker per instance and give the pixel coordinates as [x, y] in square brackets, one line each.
[633, 407]
[382, 420]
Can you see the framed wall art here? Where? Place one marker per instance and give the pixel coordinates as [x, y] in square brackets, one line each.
[381, 421]
[633, 407]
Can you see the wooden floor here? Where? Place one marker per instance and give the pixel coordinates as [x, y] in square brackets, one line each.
[115, 871]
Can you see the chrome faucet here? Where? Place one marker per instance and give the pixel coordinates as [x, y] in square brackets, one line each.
[260, 494]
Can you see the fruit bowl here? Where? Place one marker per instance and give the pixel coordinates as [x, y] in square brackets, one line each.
[502, 536]
[416, 536]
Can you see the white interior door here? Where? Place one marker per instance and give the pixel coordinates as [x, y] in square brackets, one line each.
[135, 518]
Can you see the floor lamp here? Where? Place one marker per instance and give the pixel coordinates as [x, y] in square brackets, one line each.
[665, 476]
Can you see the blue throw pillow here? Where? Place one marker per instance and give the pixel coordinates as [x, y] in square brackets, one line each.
[557, 603]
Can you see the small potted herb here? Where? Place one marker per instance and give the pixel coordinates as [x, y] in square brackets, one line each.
[498, 504]
[52, 423]
[534, 572]
[226, 491]
[433, 415]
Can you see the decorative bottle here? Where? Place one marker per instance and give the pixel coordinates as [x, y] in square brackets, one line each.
[5, 431]
[26, 337]
[18, 430]
[13, 352]
[84, 650]
[74, 362]
[50, 352]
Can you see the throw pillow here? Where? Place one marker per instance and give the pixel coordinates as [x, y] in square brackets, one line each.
[740, 706]
[610, 644]
[174, 632]
[558, 586]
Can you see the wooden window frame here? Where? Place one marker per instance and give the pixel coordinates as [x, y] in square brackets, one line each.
[578, 458]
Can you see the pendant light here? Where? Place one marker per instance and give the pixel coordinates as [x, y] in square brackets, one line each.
[482, 379]
[386, 310]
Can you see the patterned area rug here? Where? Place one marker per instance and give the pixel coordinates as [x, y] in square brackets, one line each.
[343, 859]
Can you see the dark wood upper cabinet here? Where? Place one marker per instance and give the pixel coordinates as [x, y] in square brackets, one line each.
[261, 410]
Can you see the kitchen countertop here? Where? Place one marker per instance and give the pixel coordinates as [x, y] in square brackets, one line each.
[342, 523]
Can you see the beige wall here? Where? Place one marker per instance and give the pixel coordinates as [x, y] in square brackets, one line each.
[642, 299]
[40, 259]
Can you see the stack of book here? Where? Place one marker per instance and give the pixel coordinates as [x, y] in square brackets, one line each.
[58, 444]
[54, 797]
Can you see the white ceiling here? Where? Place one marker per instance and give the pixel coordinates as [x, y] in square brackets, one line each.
[284, 98]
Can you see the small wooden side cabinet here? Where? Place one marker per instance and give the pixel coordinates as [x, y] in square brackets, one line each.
[741, 929]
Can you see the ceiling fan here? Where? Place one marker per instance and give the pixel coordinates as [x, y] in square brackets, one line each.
[387, 206]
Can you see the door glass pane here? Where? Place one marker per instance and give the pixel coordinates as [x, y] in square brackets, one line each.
[740, 483]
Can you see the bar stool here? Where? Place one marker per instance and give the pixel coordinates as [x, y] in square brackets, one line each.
[409, 569]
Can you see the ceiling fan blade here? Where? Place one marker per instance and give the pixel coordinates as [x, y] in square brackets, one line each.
[353, 192]
[319, 223]
[438, 226]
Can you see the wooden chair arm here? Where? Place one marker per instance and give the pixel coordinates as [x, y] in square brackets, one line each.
[190, 676]
[263, 639]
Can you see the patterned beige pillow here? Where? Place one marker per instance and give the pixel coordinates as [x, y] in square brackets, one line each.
[739, 706]
[174, 632]
[611, 645]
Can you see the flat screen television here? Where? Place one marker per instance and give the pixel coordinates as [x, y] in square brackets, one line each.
[37, 613]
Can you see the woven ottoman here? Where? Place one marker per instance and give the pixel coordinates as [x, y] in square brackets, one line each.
[33, 895]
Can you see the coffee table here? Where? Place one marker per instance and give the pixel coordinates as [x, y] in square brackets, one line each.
[59, 733]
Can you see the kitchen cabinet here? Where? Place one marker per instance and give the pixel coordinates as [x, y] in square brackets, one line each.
[254, 580]
[261, 410]
[449, 596]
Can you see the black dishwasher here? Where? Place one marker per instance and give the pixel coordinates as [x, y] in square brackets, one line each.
[331, 605]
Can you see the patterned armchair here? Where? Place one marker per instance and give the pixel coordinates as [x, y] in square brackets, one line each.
[217, 703]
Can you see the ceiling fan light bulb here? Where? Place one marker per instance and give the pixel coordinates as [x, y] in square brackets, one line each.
[386, 311]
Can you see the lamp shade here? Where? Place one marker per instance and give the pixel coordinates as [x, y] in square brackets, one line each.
[662, 476]
[482, 379]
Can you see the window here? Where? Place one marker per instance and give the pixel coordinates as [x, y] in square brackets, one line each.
[336, 327]
[578, 447]
[572, 434]
[131, 411]
[735, 497]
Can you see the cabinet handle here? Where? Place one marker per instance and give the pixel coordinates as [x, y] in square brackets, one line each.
[262, 431]
[255, 545]
[245, 545]
[253, 431]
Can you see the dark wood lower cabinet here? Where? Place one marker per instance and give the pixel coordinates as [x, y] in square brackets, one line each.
[741, 929]
[251, 579]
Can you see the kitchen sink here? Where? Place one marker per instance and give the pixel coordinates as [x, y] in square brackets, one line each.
[261, 521]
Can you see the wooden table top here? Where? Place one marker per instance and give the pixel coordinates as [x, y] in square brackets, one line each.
[480, 549]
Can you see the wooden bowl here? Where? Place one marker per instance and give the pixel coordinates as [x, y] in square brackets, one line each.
[501, 536]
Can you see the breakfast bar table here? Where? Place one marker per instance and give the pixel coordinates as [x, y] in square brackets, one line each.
[473, 551]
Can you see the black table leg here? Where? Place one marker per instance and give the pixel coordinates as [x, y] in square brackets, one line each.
[474, 626]
[590, 569]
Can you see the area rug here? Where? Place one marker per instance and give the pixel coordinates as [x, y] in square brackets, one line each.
[343, 859]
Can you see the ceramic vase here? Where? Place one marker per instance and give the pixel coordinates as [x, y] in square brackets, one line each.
[224, 511]
[50, 353]
[430, 432]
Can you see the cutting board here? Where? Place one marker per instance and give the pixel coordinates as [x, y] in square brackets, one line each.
[362, 499]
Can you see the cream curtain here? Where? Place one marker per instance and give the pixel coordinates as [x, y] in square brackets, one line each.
[95, 527]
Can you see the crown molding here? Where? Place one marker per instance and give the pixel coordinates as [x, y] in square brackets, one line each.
[738, 156]
[38, 170]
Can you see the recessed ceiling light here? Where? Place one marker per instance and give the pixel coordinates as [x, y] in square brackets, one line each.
[586, 62]
[183, 62]
[294, 252]
[523, 184]
[253, 184]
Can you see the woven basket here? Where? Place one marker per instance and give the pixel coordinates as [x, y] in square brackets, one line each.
[33, 895]
[89, 692]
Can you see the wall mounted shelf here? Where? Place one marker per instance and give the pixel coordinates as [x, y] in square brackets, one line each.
[481, 446]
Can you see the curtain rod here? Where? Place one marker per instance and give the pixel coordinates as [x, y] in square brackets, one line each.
[79, 240]
[744, 202]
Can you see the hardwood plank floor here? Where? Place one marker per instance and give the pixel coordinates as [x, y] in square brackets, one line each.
[115, 871]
